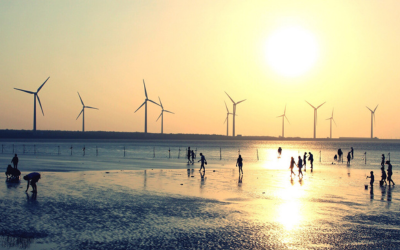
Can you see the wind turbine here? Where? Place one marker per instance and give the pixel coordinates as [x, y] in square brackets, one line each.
[315, 117]
[162, 115]
[83, 112]
[35, 95]
[331, 118]
[145, 107]
[283, 121]
[227, 119]
[372, 120]
[234, 112]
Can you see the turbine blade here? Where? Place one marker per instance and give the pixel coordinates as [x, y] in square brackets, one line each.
[332, 113]
[154, 102]
[321, 105]
[241, 101]
[229, 97]
[40, 103]
[226, 119]
[159, 116]
[369, 109]
[140, 106]
[376, 107]
[284, 112]
[226, 107]
[81, 99]
[161, 103]
[280, 116]
[169, 111]
[310, 105]
[287, 119]
[42, 85]
[29, 92]
[90, 107]
[334, 121]
[145, 92]
[80, 114]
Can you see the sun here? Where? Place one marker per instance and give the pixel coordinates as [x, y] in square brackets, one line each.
[292, 51]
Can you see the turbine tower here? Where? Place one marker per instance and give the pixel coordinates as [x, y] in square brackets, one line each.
[162, 116]
[227, 119]
[315, 117]
[331, 118]
[145, 107]
[234, 112]
[35, 95]
[372, 120]
[83, 112]
[283, 121]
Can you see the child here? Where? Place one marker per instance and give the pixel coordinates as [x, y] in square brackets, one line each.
[383, 176]
[300, 165]
[372, 178]
[292, 163]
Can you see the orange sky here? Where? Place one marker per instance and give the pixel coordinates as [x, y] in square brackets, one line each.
[189, 53]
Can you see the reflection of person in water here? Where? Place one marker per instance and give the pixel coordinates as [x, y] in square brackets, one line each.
[32, 178]
[292, 163]
[239, 163]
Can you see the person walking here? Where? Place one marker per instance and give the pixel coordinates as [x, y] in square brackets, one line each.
[300, 166]
[203, 161]
[292, 163]
[383, 160]
[15, 161]
[192, 153]
[239, 163]
[32, 179]
[389, 173]
[188, 155]
[352, 153]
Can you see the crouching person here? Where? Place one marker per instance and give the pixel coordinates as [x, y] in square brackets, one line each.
[32, 178]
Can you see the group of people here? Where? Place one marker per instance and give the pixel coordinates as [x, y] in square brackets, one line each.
[191, 155]
[350, 155]
[300, 163]
[31, 178]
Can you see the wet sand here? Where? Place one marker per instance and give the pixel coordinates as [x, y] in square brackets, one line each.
[177, 209]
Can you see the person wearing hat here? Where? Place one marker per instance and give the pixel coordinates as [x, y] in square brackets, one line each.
[32, 178]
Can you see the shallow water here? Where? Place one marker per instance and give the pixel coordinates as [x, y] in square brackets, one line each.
[174, 208]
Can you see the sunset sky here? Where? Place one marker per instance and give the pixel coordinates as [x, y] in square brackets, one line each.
[189, 53]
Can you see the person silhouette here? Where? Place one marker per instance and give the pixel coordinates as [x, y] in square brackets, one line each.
[203, 161]
[300, 166]
[239, 163]
[352, 153]
[372, 178]
[340, 154]
[311, 159]
[15, 161]
[192, 153]
[383, 176]
[292, 163]
[389, 173]
[383, 160]
[335, 158]
[305, 161]
[188, 155]
[348, 158]
[32, 178]
[279, 152]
